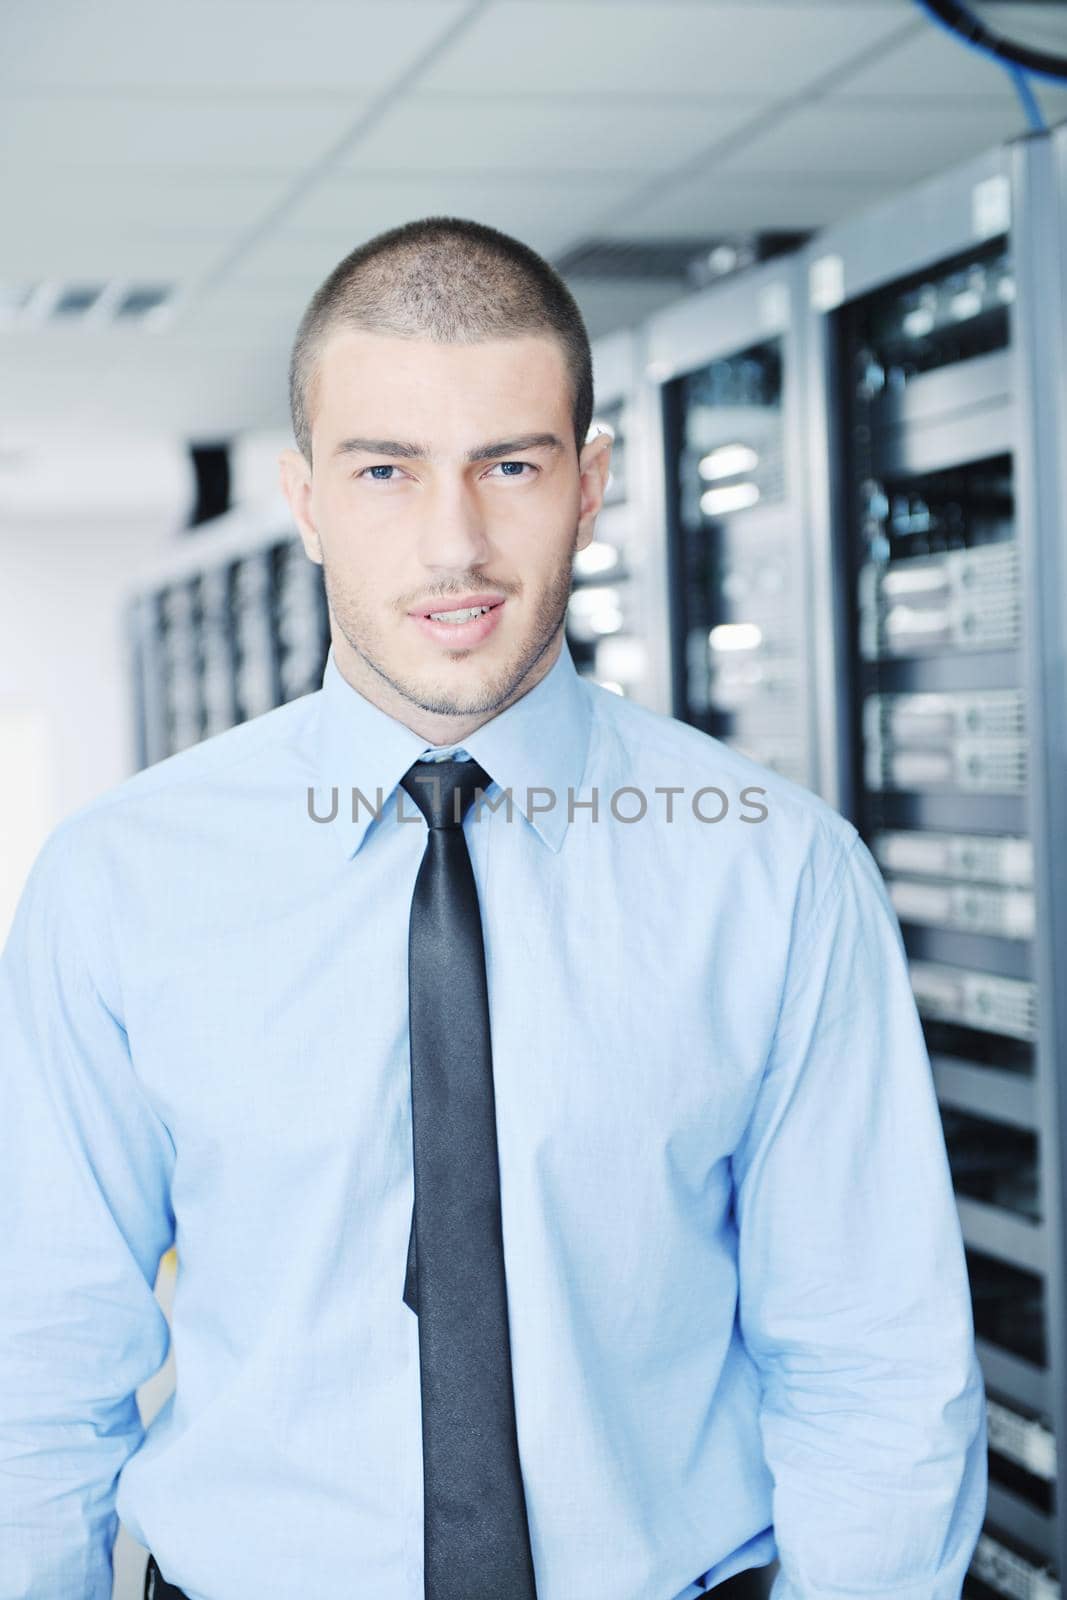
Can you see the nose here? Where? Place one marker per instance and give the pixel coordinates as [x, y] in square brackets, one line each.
[453, 533]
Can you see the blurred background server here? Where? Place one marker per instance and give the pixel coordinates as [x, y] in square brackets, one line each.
[821, 251]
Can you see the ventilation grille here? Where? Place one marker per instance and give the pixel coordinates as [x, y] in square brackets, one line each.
[694, 260]
[633, 258]
[54, 302]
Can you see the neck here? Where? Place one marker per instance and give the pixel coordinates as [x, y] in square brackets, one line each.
[438, 728]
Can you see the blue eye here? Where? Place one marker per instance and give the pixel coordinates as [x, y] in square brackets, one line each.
[382, 467]
[519, 464]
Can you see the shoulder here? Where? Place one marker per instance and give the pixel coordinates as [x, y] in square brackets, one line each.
[188, 781]
[648, 749]
[208, 761]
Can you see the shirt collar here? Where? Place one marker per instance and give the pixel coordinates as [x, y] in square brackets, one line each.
[539, 742]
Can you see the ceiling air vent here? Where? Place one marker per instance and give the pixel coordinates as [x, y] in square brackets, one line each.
[141, 298]
[650, 259]
[52, 301]
[75, 299]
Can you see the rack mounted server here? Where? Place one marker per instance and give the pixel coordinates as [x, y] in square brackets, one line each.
[234, 625]
[615, 618]
[935, 330]
[726, 367]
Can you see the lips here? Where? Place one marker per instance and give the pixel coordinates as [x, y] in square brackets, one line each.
[463, 603]
[461, 636]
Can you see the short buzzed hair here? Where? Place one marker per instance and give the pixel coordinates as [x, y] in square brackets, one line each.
[447, 279]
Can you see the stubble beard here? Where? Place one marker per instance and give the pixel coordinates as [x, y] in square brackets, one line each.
[362, 635]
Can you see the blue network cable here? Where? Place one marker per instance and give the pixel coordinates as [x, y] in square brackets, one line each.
[1028, 98]
[1018, 60]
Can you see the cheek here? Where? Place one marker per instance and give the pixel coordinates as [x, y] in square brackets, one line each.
[355, 525]
[543, 553]
[356, 561]
[541, 531]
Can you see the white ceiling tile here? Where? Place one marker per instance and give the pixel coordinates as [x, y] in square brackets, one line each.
[176, 203]
[546, 213]
[876, 137]
[275, 133]
[273, 44]
[708, 204]
[32, 254]
[591, 49]
[290, 264]
[241, 313]
[549, 133]
[170, 226]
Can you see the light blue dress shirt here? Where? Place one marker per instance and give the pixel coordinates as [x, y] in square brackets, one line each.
[739, 1315]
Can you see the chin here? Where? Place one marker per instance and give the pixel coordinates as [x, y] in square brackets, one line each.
[463, 684]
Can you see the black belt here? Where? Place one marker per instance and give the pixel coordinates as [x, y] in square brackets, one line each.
[742, 1587]
[156, 1586]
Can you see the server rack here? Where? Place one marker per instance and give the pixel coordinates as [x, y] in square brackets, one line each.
[936, 350]
[615, 626]
[230, 625]
[726, 366]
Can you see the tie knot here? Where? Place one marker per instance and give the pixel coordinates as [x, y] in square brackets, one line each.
[444, 790]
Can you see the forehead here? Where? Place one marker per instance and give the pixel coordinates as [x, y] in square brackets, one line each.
[376, 377]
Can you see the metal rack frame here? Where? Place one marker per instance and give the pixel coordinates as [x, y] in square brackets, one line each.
[764, 303]
[1019, 191]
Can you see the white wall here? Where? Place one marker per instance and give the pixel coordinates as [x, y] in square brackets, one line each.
[66, 729]
[66, 735]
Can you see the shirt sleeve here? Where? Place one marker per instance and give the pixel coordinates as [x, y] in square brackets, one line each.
[854, 1297]
[84, 1199]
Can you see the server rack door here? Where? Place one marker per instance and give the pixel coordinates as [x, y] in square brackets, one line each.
[926, 477]
[728, 366]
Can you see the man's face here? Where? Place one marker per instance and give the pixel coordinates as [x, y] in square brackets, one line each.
[404, 522]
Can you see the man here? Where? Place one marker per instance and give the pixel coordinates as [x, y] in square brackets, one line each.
[531, 1084]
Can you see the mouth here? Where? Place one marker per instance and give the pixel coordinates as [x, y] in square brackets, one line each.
[461, 625]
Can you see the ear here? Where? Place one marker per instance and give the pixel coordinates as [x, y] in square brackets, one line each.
[295, 479]
[594, 464]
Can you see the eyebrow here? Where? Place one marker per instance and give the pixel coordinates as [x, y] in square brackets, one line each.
[482, 452]
[377, 447]
[508, 447]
